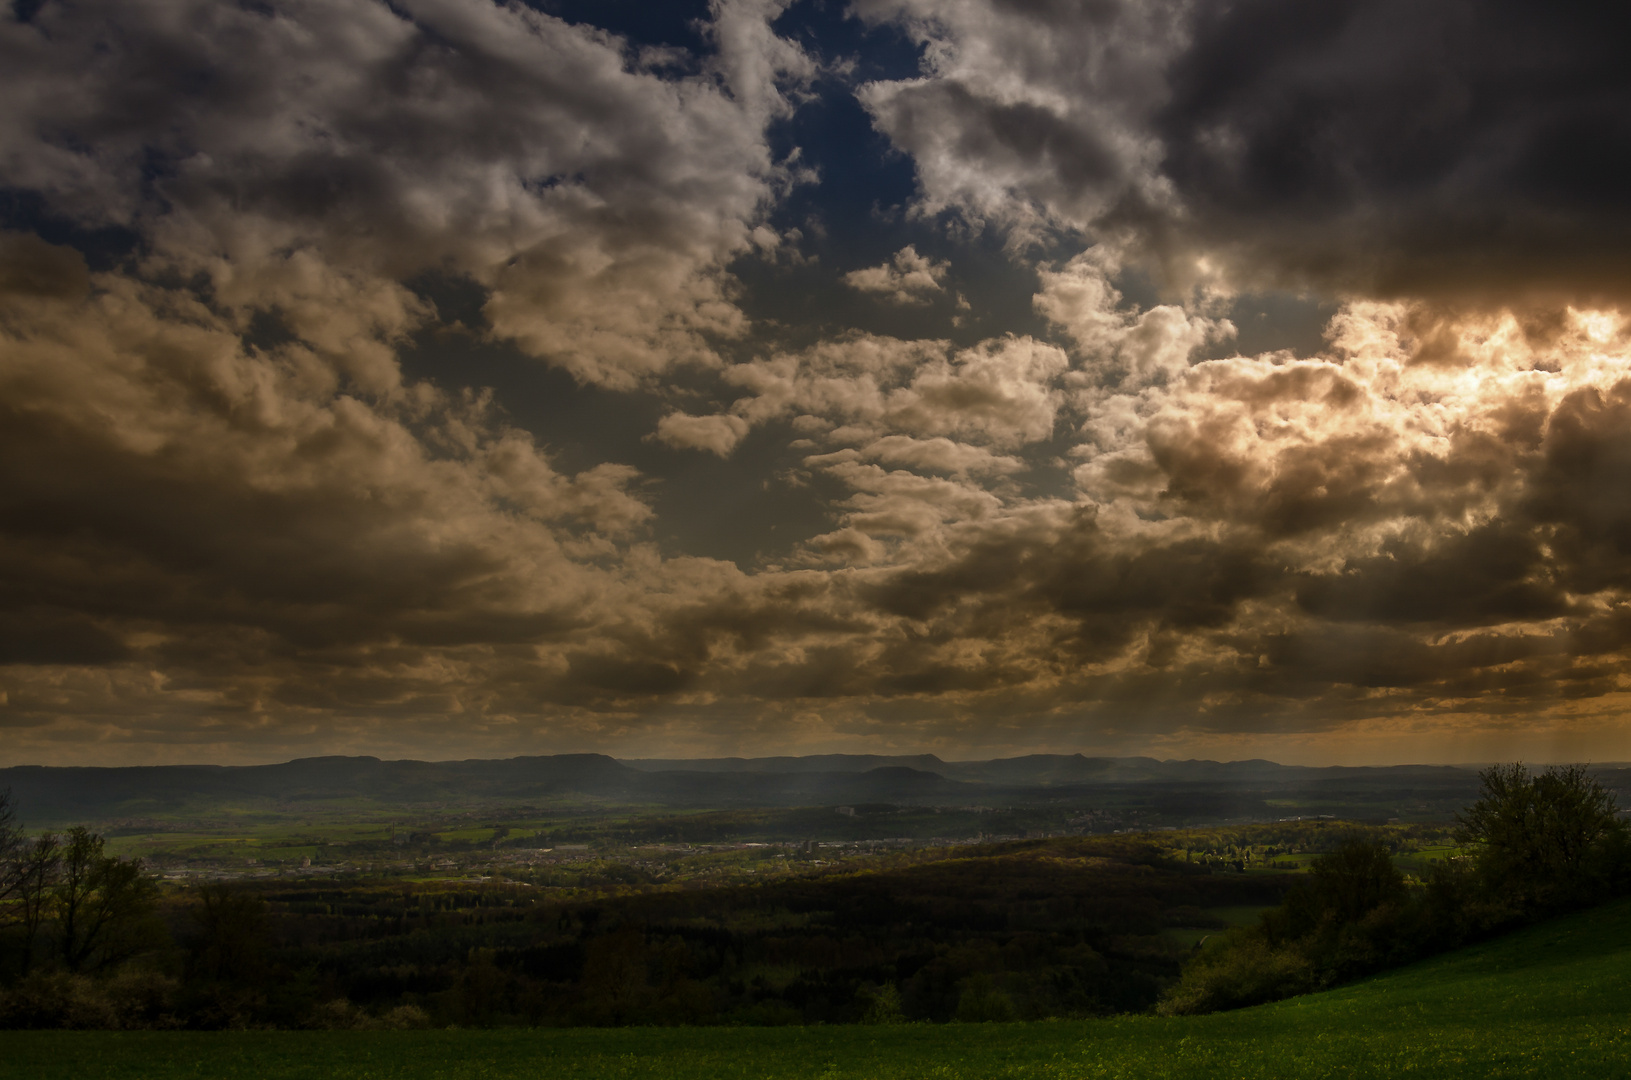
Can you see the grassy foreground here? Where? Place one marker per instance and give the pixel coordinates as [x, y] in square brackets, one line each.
[1550, 1001]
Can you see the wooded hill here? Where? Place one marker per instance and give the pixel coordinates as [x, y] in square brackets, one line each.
[1172, 792]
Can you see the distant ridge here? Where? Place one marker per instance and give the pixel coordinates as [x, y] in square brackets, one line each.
[845, 763]
[1044, 769]
[58, 794]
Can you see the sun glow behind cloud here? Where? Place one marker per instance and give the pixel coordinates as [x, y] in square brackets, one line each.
[242, 516]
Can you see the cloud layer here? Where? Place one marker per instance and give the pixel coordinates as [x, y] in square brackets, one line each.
[242, 515]
[593, 193]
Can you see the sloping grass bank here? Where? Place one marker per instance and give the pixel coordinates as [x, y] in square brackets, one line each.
[1550, 1001]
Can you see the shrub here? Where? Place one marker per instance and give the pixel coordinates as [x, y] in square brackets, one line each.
[132, 999]
[983, 1002]
[1247, 970]
[882, 1005]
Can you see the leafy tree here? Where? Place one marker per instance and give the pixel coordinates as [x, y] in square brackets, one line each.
[615, 984]
[105, 907]
[233, 935]
[1348, 917]
[1543, 841]
[1343, 887]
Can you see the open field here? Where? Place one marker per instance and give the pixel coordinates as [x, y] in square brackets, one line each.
[1551, 1001]
[1242, 915]
[715, 842]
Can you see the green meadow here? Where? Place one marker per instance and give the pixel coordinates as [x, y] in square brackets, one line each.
[1552, 1000]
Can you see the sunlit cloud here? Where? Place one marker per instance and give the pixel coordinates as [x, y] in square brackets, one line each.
[907, 278]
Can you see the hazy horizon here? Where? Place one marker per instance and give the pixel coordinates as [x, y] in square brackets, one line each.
[950, 761]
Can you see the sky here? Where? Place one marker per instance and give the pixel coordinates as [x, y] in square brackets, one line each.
[450, 379]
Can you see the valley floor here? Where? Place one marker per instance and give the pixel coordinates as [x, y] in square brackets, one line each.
[1552, 1001]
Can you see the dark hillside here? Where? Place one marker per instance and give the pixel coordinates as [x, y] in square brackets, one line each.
[1065, 928]
[1549, 1002]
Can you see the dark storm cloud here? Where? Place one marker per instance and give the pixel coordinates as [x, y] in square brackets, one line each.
[1488, 574]
[34, 635]
[1406, 148]
[1582, 491]
[1459, 149]
[212, 528]
[1075, 572]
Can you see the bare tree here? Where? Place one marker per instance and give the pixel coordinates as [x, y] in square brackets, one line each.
[38, 859]
[104, 906]
[11, 844]
[27, 874]
[233, 934]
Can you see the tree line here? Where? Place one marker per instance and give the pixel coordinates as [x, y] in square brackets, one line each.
[1536, 845]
